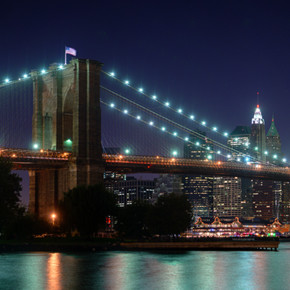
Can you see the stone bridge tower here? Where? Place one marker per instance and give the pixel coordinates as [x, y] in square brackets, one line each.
[66, 117]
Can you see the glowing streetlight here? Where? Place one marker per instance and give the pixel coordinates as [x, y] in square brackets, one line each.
[53, 217]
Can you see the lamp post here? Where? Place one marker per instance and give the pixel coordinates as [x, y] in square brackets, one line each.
[53, 217]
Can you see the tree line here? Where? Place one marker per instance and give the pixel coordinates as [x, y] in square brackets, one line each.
[90, 209]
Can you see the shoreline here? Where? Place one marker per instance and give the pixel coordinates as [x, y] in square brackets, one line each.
[68, 245]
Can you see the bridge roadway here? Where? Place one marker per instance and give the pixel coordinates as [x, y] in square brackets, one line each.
[31, 159]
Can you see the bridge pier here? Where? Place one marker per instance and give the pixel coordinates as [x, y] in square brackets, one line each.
[66, 116]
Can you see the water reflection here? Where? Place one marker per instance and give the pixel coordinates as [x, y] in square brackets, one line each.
[146, 270]
[54, 271]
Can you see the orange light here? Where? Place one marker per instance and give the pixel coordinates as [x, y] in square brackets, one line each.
[41, 150]
[120, 156]
[172, 159]
[219, 163]
[13, 155]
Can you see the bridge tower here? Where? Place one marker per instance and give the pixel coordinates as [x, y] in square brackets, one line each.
[66, 117]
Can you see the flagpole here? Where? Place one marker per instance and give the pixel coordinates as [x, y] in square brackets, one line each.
[64, 55]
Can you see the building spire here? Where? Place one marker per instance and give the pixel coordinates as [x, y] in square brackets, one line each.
[258, 119]
[273, 130]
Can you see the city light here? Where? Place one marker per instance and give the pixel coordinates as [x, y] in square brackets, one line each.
[229, 156]
[284, 160]
[275, 156]
[43, 71]
[266, 153]
[25, 76]
[60, 66]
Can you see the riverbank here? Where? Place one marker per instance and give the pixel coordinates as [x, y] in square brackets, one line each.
[78, 245]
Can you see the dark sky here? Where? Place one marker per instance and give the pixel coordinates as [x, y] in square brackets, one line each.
[209, 56]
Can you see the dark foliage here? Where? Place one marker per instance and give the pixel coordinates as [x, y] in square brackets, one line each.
[10, 188]
[133, 220]
[170, 215]
[85, 208]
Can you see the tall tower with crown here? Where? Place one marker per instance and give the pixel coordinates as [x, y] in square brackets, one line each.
[273, 142]
[258, 135]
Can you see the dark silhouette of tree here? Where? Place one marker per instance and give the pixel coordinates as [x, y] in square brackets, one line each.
[85, 209]
[133, 220]
[170, 215]
[10, 189]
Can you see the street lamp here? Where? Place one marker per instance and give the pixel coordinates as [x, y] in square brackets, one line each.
[53, 217]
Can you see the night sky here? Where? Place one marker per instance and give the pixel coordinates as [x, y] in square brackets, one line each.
[209, 56]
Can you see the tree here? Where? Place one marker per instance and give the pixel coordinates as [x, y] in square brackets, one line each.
[85, 208]
[10, 189]
[170, 215]
[133, 220]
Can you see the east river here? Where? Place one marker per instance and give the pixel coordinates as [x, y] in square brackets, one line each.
[147, 270]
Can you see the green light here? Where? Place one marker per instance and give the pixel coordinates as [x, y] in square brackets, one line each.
[203, 123]
[68, 142]
[275, 156]
[266, 153]
[174, 153]
[226, 134]
[167, 104]
[197, 143]
[127, 151]
[126, 82]
[35, 146]
[191, 117]
[209, 157]
[256, 148]
[7, 80]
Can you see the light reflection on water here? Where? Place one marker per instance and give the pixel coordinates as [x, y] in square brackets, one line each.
[147, 270]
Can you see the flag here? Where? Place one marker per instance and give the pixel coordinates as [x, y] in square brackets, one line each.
[71, 51]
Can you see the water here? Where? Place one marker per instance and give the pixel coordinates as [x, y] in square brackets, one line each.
[147, 270]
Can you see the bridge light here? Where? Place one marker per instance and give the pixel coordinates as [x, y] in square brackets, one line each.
[43, 71]
[126, 82]
[174, 153]
[256, 148]
[112, 105]
[112, 74]
[226, 134]
[7, 80]
[203, 123]
[154, 97]
[208, 148]
[60, 66]
[247, 144]
[179, 111]
[163, 128]
[174, 133]
[266, 153]
[127, 151]
[218, 152]
[25, 76]
[191, 117]
[275, 156]
[35, 146]
[197, 143]
[167, 104]
[138, 117]
[247, 159]
[238, 159]
[186, 138]
[284, 160]
[125, 111]
[209, 157]
[68, 142]
[214, 128]
[151, 123]
[229, 156]
[141, 90]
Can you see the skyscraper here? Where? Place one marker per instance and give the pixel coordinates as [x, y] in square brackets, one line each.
[273, 142]
[258, 135]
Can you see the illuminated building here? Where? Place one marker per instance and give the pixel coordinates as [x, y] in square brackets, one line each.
[131, 189]
[227, 196]
[198, 188]
[166, 184]
[258, 135]
[273, 142]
